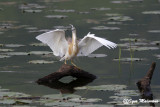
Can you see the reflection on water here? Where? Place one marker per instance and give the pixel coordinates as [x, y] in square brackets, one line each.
[68, 87]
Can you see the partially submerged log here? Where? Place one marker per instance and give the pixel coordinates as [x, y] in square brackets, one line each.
[52, 80]
[66, 70]
[144, 85]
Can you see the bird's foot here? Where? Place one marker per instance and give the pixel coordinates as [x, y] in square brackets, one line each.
[77, 67]
[74, 65]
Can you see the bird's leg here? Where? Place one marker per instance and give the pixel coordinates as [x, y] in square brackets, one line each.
[74, 64]
[65, 62]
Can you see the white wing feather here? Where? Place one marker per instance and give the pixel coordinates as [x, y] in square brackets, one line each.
[55, 40]
[90, 43]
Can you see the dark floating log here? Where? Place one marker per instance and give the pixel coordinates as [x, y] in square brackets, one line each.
[144, 85]
[52, 80]
[66, 70]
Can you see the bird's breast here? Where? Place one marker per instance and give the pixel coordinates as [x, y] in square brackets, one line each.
[76, 49]
[73, 49]
[70, 48]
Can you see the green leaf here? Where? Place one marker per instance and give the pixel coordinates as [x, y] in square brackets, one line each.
[105, 28]
[113, 87]
[128, 93]
[85, 100]
[40, 62]
[7, 101]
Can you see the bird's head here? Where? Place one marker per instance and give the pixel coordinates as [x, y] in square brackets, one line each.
[72, 27]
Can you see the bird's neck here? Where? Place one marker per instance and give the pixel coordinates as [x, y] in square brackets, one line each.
[74, 37]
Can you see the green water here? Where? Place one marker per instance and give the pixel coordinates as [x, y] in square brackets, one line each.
[19, 26]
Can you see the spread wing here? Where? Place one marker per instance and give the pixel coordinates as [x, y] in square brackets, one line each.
[90, 43]
[56, 40]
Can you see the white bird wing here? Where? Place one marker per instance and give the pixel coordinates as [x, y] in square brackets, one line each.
[56, 40]
[90, 43]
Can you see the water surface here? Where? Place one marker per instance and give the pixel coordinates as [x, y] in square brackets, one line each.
[133, 24]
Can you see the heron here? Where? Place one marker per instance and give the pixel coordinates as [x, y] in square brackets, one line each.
[68, 50]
